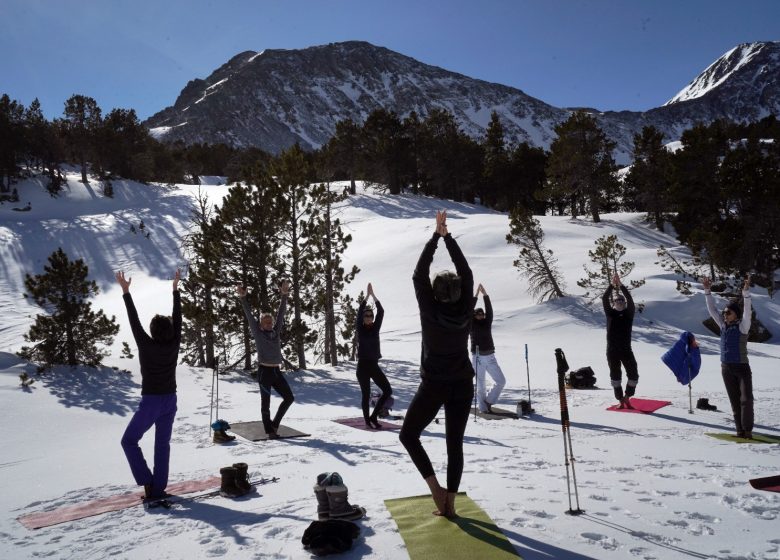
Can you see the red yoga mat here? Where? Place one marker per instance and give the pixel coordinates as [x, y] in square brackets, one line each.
[641, 406]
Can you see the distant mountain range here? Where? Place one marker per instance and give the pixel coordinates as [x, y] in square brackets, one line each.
[276, 98]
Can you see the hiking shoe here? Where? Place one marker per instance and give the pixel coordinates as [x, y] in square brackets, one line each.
[488, 408]
[221, 436]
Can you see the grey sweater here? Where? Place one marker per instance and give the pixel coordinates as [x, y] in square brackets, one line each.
[268, 343]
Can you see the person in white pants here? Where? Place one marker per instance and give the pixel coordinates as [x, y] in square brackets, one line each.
[485, 359]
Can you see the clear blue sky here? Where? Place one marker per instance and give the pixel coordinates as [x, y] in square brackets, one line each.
[607, 54]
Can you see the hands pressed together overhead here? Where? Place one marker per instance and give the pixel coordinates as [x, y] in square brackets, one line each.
[441, 222]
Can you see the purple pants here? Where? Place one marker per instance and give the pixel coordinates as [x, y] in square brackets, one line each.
[158, 411]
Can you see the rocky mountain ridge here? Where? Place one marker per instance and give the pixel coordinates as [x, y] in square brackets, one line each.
[275, 98]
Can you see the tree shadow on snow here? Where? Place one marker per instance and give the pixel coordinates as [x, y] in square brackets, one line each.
[103, 237]
[580, 425]
[342, 451]
[711, 426]
[224, 519]
[102, 389]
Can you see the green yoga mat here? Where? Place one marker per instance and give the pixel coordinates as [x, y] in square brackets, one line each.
[757, 438]
[471, 536]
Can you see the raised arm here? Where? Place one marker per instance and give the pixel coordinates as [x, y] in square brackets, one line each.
[284, 289]
[176, 314]
[253, 326]
[488, 309]
[707, 284]
[605, 300]
[132, 314]
[747, 308]
[380, 314]
[361, 310]
[629, 299]
[421, 276]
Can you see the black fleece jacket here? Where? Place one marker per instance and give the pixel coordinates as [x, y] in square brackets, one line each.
[619, 323]
[158, 359]
[445, 326]
[482, 330]
[368, 337]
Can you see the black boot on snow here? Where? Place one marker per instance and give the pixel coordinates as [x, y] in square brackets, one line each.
[242, 480]
[228, 488]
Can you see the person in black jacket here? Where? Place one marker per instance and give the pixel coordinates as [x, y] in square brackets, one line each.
[446, 308]
[367, 329]
[158, 355]
[620, 319]
[484, 354]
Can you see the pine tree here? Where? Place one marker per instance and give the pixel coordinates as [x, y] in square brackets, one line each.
[82, 120]
[343, 149]
[246, 232]
[495, 168]
[126, 352]
[71, 331]
[384, 154]
[296, 230]
[608, 256]
[36, 130]
[11, 139]
[535, 262]
[527, 178]
[329, 272]
[580, 169]
[198, 287]
[648, 183]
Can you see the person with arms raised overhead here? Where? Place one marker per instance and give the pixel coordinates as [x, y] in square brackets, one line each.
[267, 334]
[484, 353]
[446, 309]
[620, 320]
[367, 328]
[158, 353]
[734, 324]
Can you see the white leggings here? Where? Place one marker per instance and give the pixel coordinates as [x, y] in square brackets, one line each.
[488, 364]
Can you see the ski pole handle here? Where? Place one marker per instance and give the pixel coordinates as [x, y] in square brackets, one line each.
[526, 353]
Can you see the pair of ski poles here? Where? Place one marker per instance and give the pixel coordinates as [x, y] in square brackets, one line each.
[527, 373]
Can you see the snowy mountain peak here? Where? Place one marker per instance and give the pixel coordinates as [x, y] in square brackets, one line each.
[726, 67]
[279, 97]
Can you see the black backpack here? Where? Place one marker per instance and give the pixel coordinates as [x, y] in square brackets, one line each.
[582, 378]
[329, 537]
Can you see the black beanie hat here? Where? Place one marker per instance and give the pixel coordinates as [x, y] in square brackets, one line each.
[735, 308]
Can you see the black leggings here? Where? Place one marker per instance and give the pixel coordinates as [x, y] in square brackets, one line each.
[738, 379]
[431, 395]
[626, 357]
[271, 377]
[367, 371]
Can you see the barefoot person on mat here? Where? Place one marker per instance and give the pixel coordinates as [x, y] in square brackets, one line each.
[158, 355]
[367, 328]
[446, 309]
[267, 335]
[620, 320]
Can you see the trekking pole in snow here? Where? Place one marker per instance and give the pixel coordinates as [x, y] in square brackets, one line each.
[214, 380]
[476, 380]
[690, 395]
[568, 453]
[528, 376]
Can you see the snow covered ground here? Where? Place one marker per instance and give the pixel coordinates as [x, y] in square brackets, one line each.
[652, 486]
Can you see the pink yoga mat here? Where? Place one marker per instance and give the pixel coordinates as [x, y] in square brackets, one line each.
[641, 406]
[111, 503]
[360, 424]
